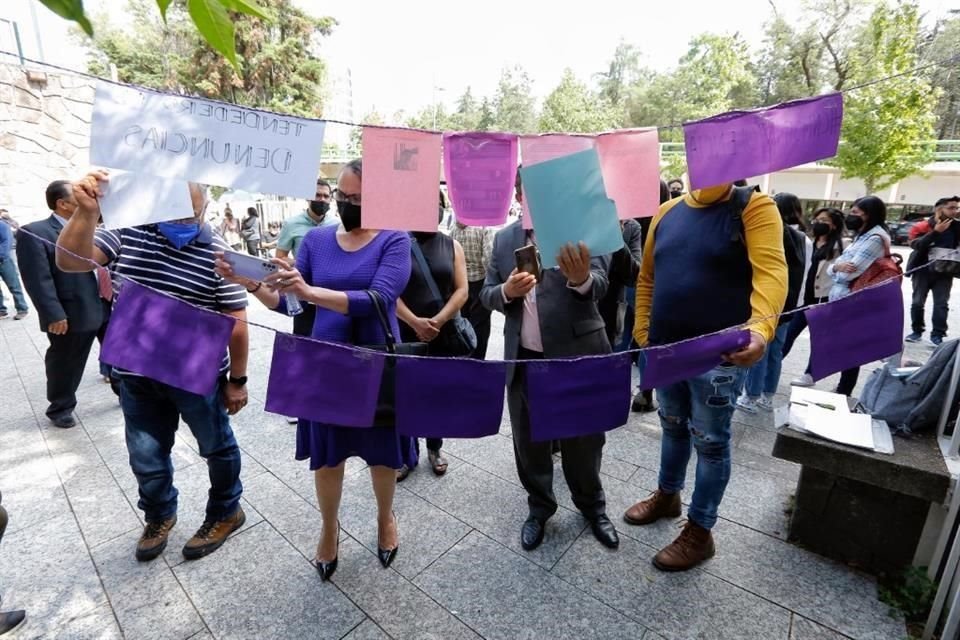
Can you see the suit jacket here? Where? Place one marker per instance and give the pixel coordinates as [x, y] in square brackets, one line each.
[624, 270]
[570, 323]
[56, 294]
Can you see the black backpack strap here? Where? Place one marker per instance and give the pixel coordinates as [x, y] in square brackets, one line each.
[738, 202]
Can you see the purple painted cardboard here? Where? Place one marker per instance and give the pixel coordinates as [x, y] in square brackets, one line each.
[166, 339]
[863, 327]
[480, 169]
[324, 382]
[577, 397]
[671, 364]
[449, 397]
[743, 144]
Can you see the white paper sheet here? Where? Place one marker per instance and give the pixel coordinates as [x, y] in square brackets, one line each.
[132, 199]
[204, 141]
[854, 429]
[809, 395]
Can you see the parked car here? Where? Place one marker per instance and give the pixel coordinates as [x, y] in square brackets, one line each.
[900, 230]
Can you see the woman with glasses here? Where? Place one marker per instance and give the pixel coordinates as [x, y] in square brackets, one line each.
[335, 267]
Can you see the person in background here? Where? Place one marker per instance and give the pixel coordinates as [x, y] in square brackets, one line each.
[477, 243]
[942, 231]
[676, 188]
[9, 620]
[423, 318]
[176, 258]
[230, 230]
[8, 269]
[868, 221]
[550, 316]
[827, 247]
[270, 236]
[250, 231]
[335, 268]
[681, 294]
[624, 269]
[763, 378]
[69, 305]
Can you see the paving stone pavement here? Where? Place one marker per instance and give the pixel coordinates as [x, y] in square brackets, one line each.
[67, 556]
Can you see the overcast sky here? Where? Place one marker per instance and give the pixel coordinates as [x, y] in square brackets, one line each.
[398, 52]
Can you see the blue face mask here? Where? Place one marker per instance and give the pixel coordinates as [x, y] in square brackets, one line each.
[179, 233]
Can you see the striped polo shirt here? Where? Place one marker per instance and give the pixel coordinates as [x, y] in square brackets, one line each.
[145, 256]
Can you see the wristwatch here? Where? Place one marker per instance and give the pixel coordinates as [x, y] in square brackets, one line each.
[241, 381]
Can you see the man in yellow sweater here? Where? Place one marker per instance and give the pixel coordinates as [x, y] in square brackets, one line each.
[713, 259]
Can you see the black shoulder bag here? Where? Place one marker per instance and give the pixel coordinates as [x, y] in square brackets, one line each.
[386, 400]
[457, 337]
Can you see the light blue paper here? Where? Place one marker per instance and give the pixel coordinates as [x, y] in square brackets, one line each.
[568, 203]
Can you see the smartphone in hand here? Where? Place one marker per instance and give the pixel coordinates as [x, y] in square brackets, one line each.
[528, 260]
[247, 266]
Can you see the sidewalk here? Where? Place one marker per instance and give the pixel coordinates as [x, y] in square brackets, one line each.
[68, 559]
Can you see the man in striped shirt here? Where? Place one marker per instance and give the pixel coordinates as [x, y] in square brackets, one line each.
[176, 258]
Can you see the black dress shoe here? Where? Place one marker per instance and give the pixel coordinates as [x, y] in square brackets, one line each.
[326, 569]
[531, 535]
[10, 620]
[605, 532]
[386, 556]
[64, 422]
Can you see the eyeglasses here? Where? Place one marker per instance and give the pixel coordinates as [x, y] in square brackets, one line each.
[340, 196]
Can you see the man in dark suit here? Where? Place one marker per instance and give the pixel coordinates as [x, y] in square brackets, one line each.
[555, 318]
[70, 307]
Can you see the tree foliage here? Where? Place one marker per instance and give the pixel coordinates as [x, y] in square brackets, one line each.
[572, 107]
[276, 67]
[514, 106]
[943, 46]
[884, 125]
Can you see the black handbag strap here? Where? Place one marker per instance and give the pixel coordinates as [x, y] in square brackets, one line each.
[425, 270]
[381, 310]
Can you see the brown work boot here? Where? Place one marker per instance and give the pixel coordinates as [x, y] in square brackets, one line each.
[153, 540]
[211, 535]
[658, 505]
[692, 546]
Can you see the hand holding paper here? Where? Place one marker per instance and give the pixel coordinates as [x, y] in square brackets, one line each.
[574, 263]
[132, 199]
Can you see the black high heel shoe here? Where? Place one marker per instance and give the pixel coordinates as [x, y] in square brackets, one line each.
[386, 556]
[326, 569]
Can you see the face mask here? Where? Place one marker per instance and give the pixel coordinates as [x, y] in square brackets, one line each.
[179, 234]
[319, 208]
[821, 229]
[853, 222]
[349, 214]
[676, 193]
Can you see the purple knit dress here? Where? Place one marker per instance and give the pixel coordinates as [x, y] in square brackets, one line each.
[383, 265]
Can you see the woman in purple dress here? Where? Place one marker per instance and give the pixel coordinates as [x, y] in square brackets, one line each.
[335, 266]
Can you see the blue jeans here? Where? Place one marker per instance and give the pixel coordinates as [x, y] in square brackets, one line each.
[10, 276]
[152, 411]
[697, 413]
[764, 376]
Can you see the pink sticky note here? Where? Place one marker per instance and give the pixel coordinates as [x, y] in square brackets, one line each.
[630, 162]
[480, 168]
[401, 179]
[537, 149]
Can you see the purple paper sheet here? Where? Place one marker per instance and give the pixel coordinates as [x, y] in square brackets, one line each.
[577, 397]
[671, 364]
[449, 397]
[861, 328]
[480, 169]
[324, 382]
[165, 339]
[743, 144]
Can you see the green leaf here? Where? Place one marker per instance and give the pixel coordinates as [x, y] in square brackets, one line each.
[71, 10]
[215, 26]
[249, 8]
[163, 5]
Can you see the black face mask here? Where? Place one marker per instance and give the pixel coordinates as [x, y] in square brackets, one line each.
[676, 193]
[319, 208]
[821, 229]
[349, 214]
[853, 222]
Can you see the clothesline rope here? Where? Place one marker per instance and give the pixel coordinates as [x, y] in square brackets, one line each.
[946, 61]
[672, 345]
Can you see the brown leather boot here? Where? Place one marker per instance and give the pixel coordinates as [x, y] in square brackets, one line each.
[211, 535]
[658, 505]
[153, 540]
[692, 546]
